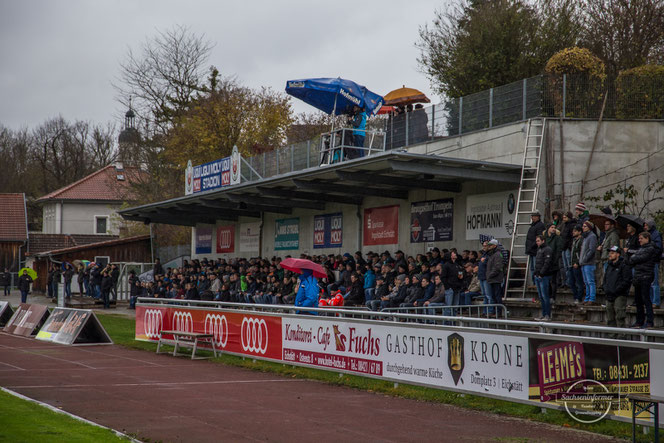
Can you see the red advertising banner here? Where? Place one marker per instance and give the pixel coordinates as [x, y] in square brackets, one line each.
[381, 226]
[226, 239]
[236, 332]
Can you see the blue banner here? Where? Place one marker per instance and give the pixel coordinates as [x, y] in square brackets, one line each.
[328, 230]
[431, 221]
[203, 240]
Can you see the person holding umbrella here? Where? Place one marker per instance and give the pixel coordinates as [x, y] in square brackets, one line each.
[307, 293]
[24, 282]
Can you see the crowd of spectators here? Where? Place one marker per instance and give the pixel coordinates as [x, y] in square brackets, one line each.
[571, 251]
[376, 281]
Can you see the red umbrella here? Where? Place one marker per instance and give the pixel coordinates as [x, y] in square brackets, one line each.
[298, 264]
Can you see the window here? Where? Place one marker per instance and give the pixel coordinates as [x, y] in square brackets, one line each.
[102, 261]
[101, 224]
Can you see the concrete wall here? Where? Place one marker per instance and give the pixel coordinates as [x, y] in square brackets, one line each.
[79, 218]
[352, 226]
[626, 152]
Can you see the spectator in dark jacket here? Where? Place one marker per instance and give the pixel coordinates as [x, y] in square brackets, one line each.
[157, 269]
[438, 298]
[414, 292]
[536, 228]
[379, 295]
[452, 276]
[566, 235]
[191, 293]
[355, 297]
[575, 277]
[542, 274]
[555, 242]
[643, 262]
[24, 282]
[617, 280]
[398, 293]
[656, 240]
[495, 274]
[6, 281]
[632, 243]
[134, 288]
[115, 275]
[106, 286]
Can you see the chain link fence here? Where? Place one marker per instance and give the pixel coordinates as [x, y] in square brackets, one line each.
[568, 96]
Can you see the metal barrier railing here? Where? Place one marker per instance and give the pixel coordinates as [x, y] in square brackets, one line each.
[474, 311]
[517, 326]
[338, 145]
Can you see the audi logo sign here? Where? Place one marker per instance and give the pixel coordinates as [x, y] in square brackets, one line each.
[152, 322]
[183, 322]
[217, 325]
[253, 335]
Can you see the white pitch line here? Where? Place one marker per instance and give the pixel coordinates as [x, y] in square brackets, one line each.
[60, 359]
[12, 366]
[177, 383]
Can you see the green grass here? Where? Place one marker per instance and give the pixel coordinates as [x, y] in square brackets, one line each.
[121, 330]
[24, 421]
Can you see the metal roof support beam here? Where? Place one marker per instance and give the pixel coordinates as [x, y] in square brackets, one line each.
[412, 183]
[282, 192]
[350, 190]
[165, 220]
[244, 206]
[449, 171]
[255, 199]
[194, 208]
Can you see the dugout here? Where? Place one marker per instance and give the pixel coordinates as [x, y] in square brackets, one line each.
[388, 201]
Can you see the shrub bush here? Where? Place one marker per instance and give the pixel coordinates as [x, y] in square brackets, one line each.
[641, 93]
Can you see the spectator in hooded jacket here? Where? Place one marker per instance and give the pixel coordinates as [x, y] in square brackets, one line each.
[587, 262]
[617, 280]
[355, 296]
[643, 262]
[656, 240]
[536, 228]
[543, 273]
[379, 295]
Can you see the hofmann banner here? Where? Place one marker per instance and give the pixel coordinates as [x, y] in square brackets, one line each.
[490, 214]
[328, 231]
[287, 234]
[213, 175]
[431, 221]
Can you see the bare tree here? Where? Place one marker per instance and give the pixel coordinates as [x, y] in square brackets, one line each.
[164, 76]
[624, 33]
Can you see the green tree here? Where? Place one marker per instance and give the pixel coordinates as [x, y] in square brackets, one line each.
[479, 44]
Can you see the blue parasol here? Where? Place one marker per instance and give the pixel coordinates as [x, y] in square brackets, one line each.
[334, 95]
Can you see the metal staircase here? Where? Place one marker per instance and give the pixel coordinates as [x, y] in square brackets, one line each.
[517, 270]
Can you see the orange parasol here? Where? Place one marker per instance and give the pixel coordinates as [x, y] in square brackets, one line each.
[405, 96]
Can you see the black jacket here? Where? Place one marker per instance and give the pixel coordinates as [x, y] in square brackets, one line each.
[24, 282]
[450, 276]
[414, 293]
[5, 279]
[617, 279]
[380, 292]
[643, 261]
[356, 295]
[544, 261]
[566, 234]
[106, 283]
[494, 267]
[534, 230]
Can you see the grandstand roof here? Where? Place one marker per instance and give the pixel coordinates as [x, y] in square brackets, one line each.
[390, 175]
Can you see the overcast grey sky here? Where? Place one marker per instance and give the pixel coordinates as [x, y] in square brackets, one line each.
[60, 56]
